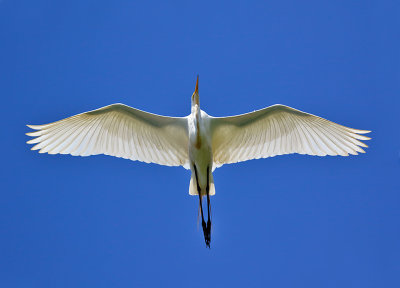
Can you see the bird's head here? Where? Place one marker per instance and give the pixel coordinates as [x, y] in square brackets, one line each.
[195, 96]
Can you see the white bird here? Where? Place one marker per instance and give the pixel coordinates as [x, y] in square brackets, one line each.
[198, 142]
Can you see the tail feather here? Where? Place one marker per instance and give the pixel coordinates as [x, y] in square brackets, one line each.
[193, 186]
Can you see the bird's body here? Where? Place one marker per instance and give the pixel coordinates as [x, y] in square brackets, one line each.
[199, 147]
[200, 151]
[198, 142]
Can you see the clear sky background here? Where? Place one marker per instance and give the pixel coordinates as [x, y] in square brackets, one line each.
[287, 221]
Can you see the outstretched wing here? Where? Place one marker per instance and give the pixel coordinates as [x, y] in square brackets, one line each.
[117, 130]
[278, 130]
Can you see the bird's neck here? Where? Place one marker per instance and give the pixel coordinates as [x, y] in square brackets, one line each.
[196, 112]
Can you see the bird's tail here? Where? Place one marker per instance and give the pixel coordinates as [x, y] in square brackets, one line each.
[193, 186]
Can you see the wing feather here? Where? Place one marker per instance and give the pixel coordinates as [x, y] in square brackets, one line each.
[116, 130]
[278, 130]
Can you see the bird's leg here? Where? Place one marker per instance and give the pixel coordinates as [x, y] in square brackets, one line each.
[208, 197]
[203, 223]
[208, 206]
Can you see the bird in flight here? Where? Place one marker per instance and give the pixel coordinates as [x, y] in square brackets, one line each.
[198, 142]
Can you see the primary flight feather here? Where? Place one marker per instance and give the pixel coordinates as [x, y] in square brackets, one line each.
[198, 142]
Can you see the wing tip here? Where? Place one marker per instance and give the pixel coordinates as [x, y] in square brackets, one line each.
[364, 131]
[359, 131]
[34, 127]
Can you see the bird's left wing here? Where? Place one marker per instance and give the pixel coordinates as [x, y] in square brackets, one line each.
[117, 130]
[278, 130]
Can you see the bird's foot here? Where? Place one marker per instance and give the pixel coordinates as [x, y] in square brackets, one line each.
[207, 233]
[207, 239]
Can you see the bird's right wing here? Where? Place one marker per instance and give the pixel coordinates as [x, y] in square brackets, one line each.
[117, 130]
[278, 130]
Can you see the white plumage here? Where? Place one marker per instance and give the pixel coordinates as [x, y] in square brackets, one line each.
[198, 141]
[117, 130]
[278, 130]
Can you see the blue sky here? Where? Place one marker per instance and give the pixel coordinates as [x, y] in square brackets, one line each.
[288, 221]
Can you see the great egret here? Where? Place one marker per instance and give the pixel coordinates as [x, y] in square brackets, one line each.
[198, 142]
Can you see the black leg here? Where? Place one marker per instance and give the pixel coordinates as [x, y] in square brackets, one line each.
[203, 223]
[208, 194]
[208, 207]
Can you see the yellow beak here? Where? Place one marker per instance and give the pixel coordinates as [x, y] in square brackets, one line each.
[196, 90]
